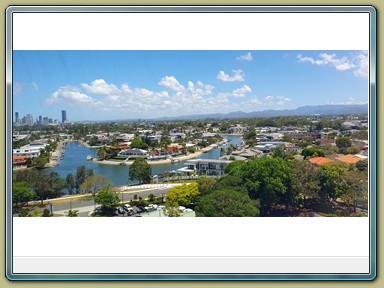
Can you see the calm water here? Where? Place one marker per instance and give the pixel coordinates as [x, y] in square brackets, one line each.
[75, 156]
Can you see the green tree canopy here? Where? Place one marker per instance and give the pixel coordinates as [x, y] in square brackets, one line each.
[313, 151]
[267, 179]
[180, 196]
[107, 198]
[137, 143]
[343, 143]
[21, 192]
[140, 170]
[307, 181]
[331, 181]
[226, 203]
[206, 185]
[94, 183]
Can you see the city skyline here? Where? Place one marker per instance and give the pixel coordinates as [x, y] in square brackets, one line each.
[103, 85]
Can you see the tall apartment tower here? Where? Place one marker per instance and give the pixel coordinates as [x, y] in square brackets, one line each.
[63, 116]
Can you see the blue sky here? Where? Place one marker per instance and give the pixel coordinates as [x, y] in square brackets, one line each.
[103, 85]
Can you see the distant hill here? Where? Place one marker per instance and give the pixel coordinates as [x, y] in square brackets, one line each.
[300, 111]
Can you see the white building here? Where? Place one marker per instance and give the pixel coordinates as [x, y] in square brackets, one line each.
[30, 150]
[134, 153]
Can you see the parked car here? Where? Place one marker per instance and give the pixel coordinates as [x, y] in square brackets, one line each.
[128, 208]
[120, 210]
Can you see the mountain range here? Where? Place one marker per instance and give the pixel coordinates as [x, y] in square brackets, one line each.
[300, 111]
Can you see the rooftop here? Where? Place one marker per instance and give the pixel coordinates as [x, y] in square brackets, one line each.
[350, 159]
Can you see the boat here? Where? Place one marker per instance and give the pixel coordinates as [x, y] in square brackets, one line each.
[175, 160]
[89, 158]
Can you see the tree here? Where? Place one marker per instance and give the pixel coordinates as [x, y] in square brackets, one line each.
[268, 179]
[137, 143]
[307, 181]
[81, 175]
[361, 135]
[107, 198]
[102, 153]
[362, 165]
[343, 143]
[182, 195]
[309, 152]
[226, 203]
[73, 213]
[331, 181]
[70, 182]
[231, 182]
[21, 192]
[40, 161]
[140, 170]
[357, 190]
[352, 150]
[206, 185]
[94, 183]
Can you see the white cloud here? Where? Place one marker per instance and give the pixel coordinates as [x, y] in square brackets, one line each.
[99, 86]
[69, 95]
[240, 92]
[17, 88]
[246, 57]
[275, 100]
[238, 75]
[348, 101]
[35, 86]
[362, 66]
[171, 83]
[357, 63]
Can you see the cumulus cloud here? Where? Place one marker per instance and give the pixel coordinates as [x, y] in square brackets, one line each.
[171, 83]
[246, 57]
[175, 99]
[241, 92]
[69, 95]
[99, 86]
[238, 75]
[357, 63]
[362, 66]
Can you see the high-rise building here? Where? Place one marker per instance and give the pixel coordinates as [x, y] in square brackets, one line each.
[17, 118]
[63, 116]
[29, 120]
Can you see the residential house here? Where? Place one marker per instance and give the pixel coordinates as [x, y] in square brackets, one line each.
[319, 161]
[205, 166]
[349, 159]
[134, 153]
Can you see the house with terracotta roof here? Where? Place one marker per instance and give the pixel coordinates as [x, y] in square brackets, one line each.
[19, 161]
[319, 161]
[349, 159]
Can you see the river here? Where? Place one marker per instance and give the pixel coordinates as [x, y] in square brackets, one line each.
[76, 154]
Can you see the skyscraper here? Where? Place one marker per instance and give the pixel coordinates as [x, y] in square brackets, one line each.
[63, 116]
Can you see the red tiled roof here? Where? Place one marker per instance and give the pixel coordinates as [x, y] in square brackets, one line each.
[350, 159]
[318, 161]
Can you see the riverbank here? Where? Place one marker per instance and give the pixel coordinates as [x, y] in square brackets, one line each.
[55, 156]
[163, 161]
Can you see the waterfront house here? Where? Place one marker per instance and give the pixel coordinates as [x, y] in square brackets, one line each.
[134, 153]
[210, 167]
[19, 161]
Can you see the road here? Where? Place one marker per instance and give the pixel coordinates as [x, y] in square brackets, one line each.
[87, 206]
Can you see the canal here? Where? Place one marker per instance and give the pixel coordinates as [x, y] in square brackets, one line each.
[76, 154]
